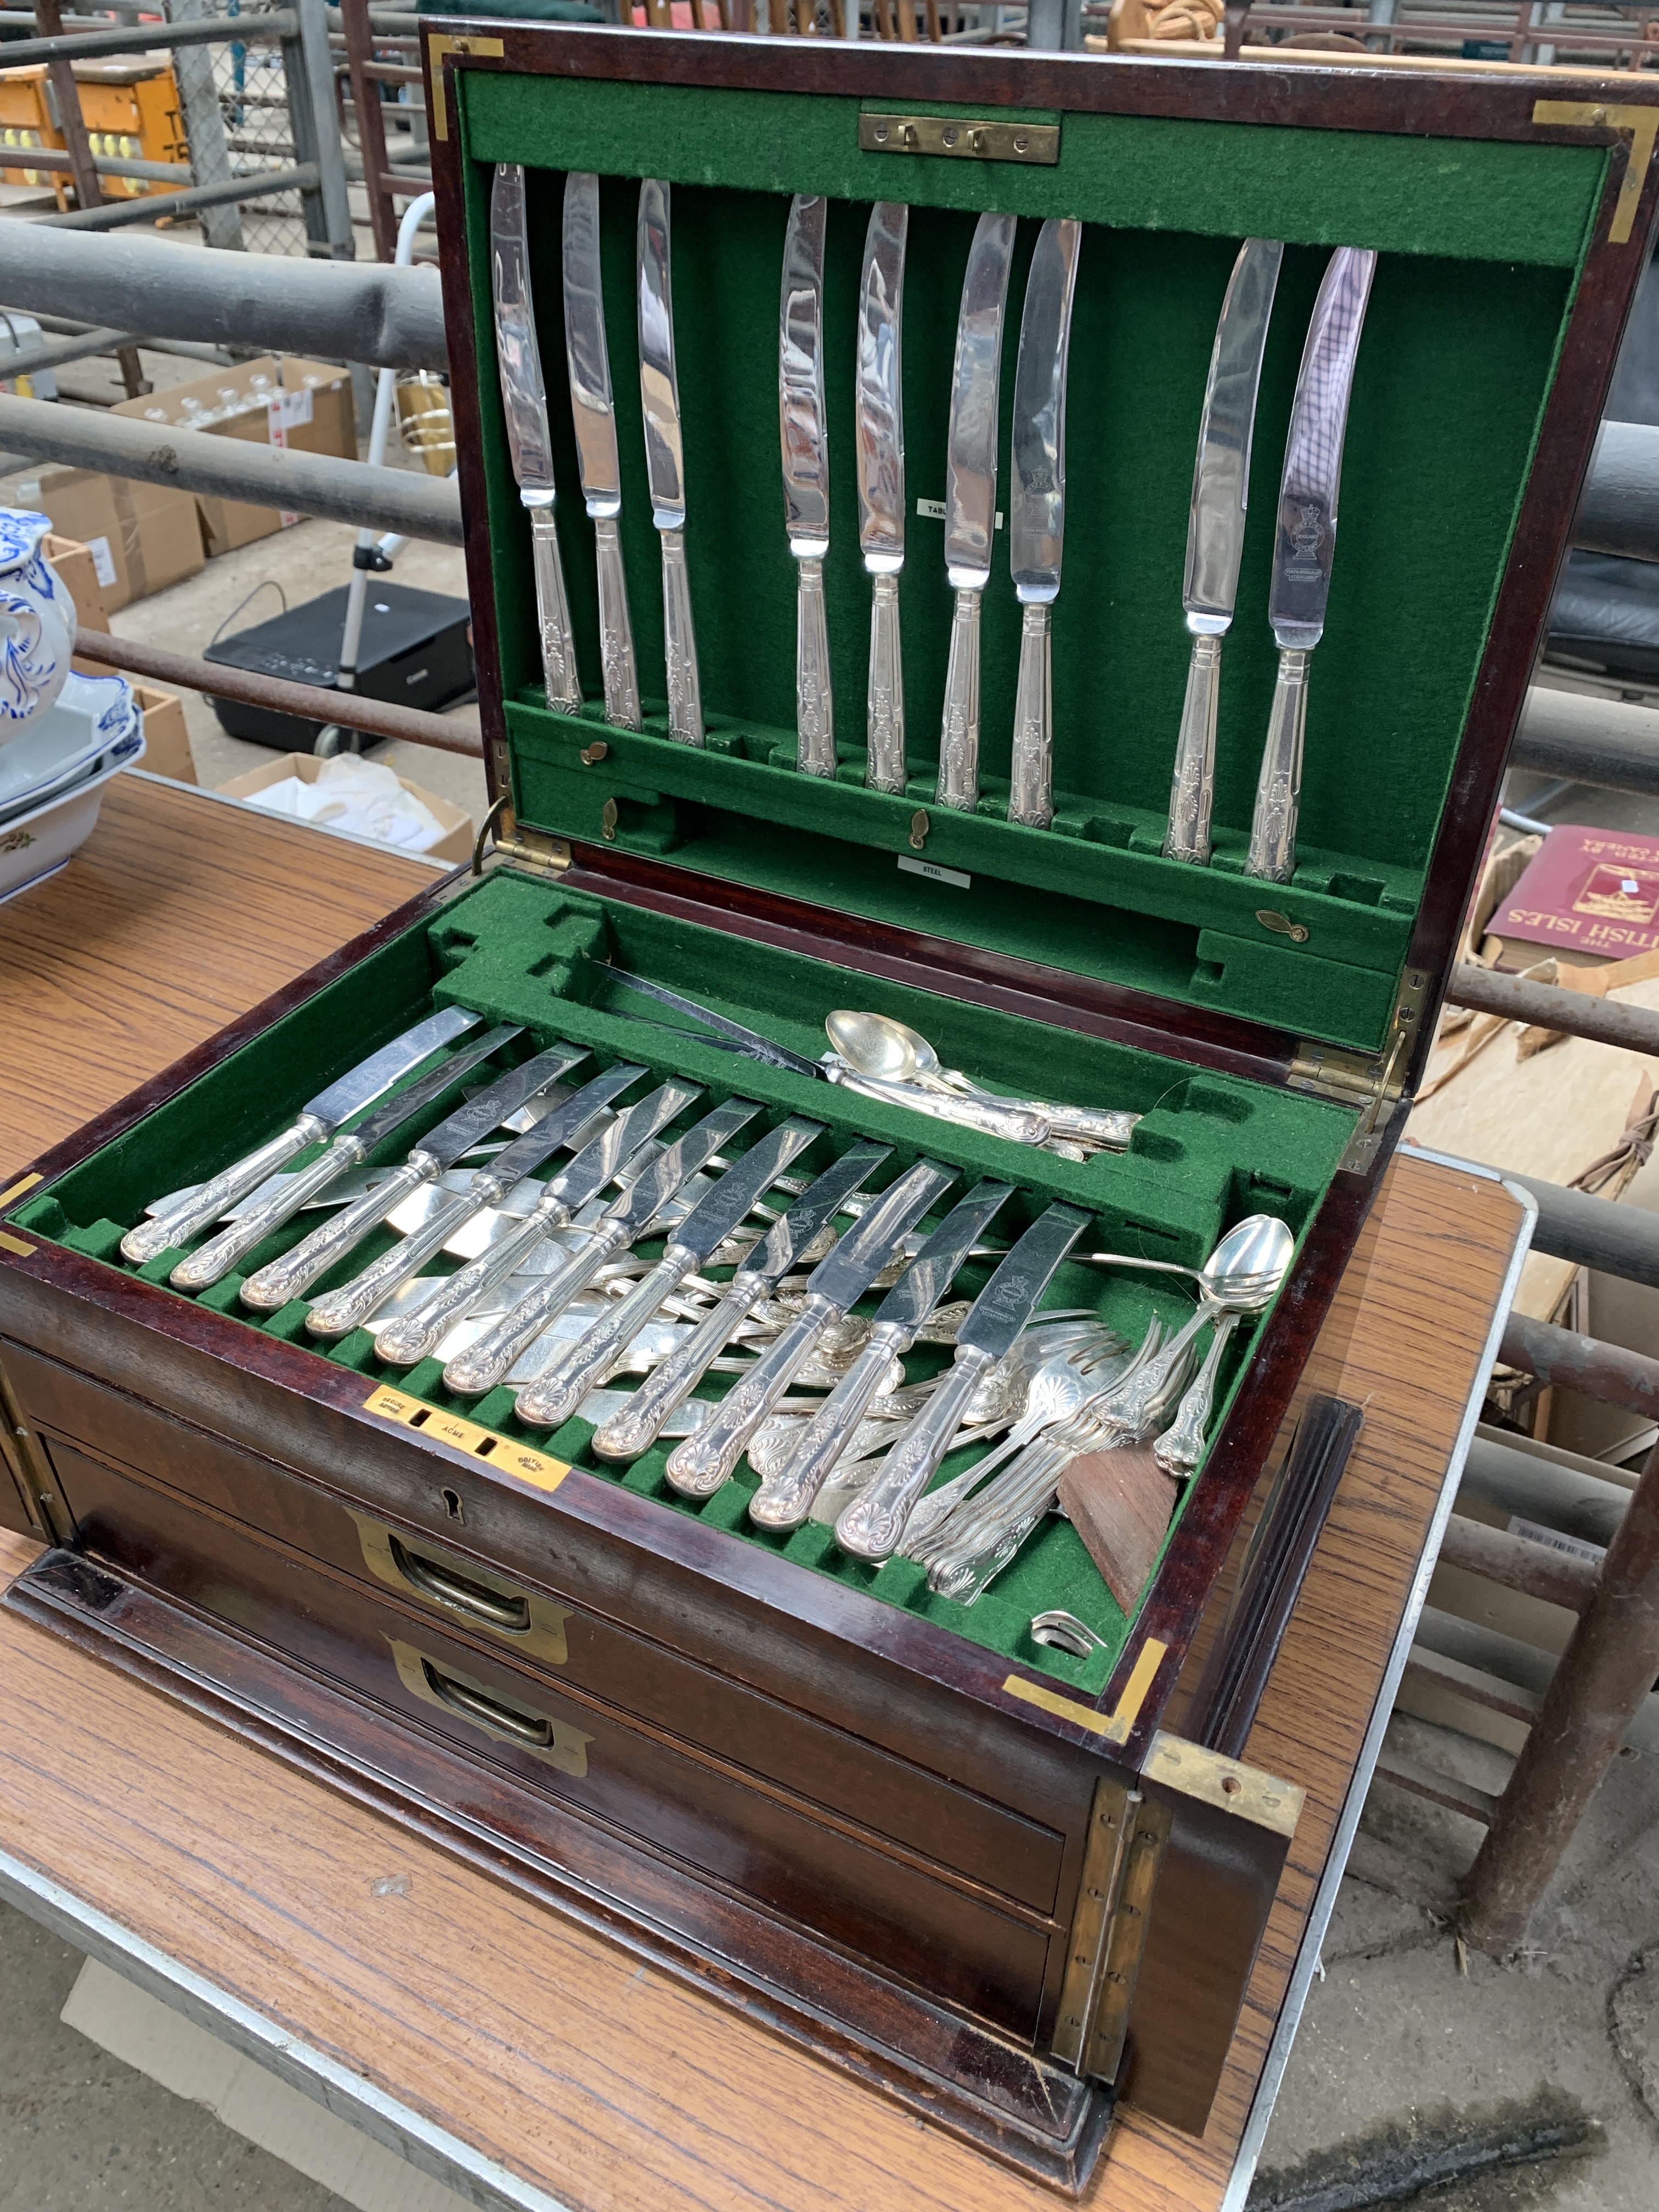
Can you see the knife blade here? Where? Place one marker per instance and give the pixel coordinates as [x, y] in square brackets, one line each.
[1036, 521]
[1304, 546]
[880, 452]
[524, 403]
[804, 434]
[633, 1430]
[664, 458]
[786, 1497]
[1215, 534]
[587, 358]
[198, 1208]
[970, 498]
[872, 1525]
[699, 1466]
[559, 1389]
[204, 1266]
[760, 1047]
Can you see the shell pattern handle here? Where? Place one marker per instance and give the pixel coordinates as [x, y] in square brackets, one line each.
[337, 1312]
[1181, 1447]
[699, 1466]
[560, 1387]
[279, 1280]
[162, 1231]
[1192, 788]
[1131, 1408]
[873, 1523]
[208, 1262]
[815, 703]
[680, 643]
[565, 693]
[1031, 794]
[483, 1365]
[1108, 1126]
[959, 743]
[885, 699]
[637, 1425]
[991, 1118]
[786, 1498]
[967, 1578]
[621, 675]
[413, 1336]
[1271, 856]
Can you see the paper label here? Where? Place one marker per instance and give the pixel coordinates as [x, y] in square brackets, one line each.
[932, 510]
[1576, 1547]
[935, 874]
[103, 561]
[289, 410]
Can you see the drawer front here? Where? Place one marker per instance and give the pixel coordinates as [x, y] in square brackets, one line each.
[769, 1846]
[549, 1631]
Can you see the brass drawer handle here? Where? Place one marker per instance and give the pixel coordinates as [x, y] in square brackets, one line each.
[555, 1741]
[532, 1730]
[471, 1593]
[510, 1614]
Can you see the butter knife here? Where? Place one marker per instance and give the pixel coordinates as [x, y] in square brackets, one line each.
[1037, 523]
[970, 498]
[880, 447]
[664, 459]
[804, 432]
[1215, 534]
[588, 359]
[1304, 546]
[524, 401]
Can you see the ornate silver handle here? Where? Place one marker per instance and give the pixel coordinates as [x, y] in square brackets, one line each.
[208, 1262]
[873, 1523]
[559, 1389]
[413, 1336]
[637, 1425]
[699, 1466]
[1101, 1124]
[1192, 790]
[815, 705]
[958, 744]
[483, 1365]
[1181, 1447]
[884, 699]
[204, 1206]
[680, 643]
[967, 1578]
[565, 693]
[1272, 855]
[622, 679]
[1015, 1123]
[1030, 795]
[1134, 1404]
[339, 1312]
[785, 1499]
[279, 1280]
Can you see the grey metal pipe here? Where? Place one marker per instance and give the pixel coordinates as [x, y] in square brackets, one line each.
[385, 317]
[117, 214]
[1590, 740]
[140, 38]
[106, 165]
[235, 468]
[1620, 510]
[1545, 1006]
[39, 358]
[1594, 1232]
[60, 326]
[1508, 1480]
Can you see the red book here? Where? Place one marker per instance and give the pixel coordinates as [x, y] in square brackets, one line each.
[1593, 891]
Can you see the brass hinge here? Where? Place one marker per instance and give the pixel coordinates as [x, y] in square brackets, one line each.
[31, 1471]
[531, 849]
[1127, 1836]
[981, 138]
[1374, 1082]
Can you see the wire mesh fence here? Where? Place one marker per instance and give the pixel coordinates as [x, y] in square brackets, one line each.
[249, 86]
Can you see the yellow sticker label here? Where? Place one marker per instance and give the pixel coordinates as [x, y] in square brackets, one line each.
[504, 1454]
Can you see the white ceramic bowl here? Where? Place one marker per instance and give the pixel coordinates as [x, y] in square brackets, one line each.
[34, 844]
[91, 714]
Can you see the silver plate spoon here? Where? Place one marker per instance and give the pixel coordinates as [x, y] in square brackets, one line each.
[890, 1051]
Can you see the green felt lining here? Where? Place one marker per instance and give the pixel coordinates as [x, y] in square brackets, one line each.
[1209, 1150]
[1480, 243]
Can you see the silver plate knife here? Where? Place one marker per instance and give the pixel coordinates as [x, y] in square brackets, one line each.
[804, 434]
[970, 498]
[200, 1207]
[524, 401]
[588, 359]
[1037, 518]
[664, 459]
[1215, 534]
[880, 452]
[1304, 546]
[873, 1523]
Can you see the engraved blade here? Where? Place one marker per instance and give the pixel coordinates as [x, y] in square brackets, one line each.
[517, 356]
[865, 1250]
[1305, 545]
[560, 1127]
[813, 1211]
[469, 1124]
[586, 354]
[1010, 1298]
[1221, 473]
[803, 428]
[406, 1104]
[371, 1078]
[880, 412]
[646, 1198]
[595, 1164]
[659, 391]
[970, 478]
[929, 1274]
[1036, 519]
[707, 1225]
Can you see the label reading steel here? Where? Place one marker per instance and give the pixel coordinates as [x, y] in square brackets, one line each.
[935, 874]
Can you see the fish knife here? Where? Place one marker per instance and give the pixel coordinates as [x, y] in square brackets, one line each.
[1304, 546]
[524, 403]
[593, 410]
[873, 1523]
[664, 458]
[1215, 534]
[880, 452]
[1036, 519]
[199, 1207]
[803, 433]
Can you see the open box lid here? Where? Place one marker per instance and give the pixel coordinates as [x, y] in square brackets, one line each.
[1511, 231]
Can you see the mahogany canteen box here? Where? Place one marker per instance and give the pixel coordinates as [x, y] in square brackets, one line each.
[1003, 1883]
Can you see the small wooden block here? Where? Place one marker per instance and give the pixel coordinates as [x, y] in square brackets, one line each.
[1120, 1503]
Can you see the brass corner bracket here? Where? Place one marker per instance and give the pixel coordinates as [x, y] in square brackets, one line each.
[438, 43]
[1226, 1784]
[1642, 126]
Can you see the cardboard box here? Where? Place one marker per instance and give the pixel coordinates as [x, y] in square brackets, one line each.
[77, 571]
[166, 738]
[455, 844]
[306, 404]
[140, 537]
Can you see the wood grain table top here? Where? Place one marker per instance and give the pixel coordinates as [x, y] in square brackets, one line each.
[599, 2082]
